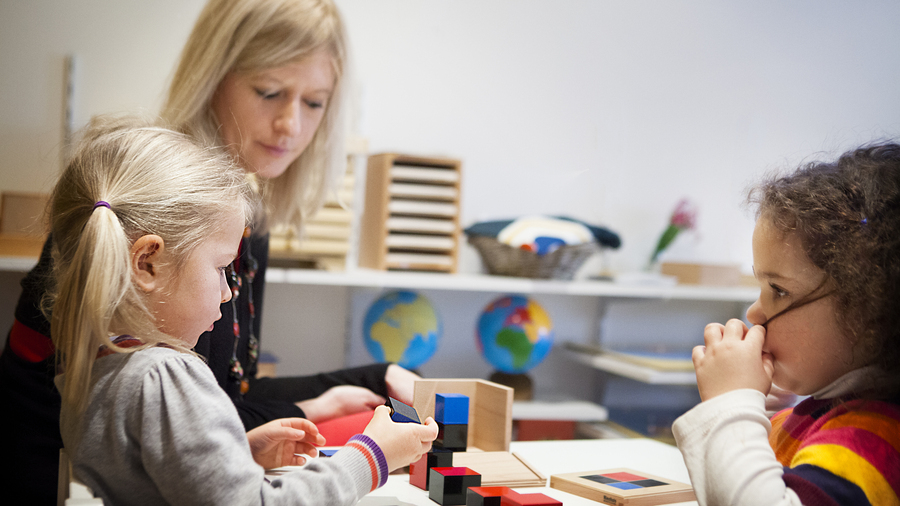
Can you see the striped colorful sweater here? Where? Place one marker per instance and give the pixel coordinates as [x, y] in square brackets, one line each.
[837, 453]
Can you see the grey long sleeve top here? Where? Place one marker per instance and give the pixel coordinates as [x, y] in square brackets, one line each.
[158, 429]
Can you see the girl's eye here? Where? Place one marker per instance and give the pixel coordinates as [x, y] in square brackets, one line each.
[265, 94]
[314, 104]
[779, 292]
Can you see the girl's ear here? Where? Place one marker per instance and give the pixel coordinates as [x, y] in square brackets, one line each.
[145, 255]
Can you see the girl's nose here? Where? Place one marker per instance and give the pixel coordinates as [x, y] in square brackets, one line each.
[755, 314]
[224, 288]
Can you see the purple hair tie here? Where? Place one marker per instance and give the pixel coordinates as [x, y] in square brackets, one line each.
[101, 203]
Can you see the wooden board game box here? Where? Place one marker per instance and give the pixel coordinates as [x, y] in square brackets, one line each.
[623, 487]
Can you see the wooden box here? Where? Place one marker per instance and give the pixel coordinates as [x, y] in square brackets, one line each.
[703, 274]
[411, 216]
[490, 409]
[22, 225]
[623, 487]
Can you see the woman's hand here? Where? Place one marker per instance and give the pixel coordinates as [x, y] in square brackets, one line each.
[401, 443]
[732, 359]
[340, 401]
[401, 383]
[276, 443]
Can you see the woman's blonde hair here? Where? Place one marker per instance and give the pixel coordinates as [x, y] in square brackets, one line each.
[155, 181]
[254, 35]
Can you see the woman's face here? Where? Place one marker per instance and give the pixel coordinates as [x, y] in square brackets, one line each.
[268, 118]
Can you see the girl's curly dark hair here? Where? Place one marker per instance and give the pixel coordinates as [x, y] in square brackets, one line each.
[847, 216]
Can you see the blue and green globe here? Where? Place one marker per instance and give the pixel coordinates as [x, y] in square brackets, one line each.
[514, 334]
[402, 327]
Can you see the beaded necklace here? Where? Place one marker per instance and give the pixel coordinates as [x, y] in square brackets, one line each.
[236, 370]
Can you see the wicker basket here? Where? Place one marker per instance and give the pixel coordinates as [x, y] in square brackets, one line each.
[504, 260]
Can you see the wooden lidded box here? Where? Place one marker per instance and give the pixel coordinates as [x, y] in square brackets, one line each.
[703, 274]
[411, 216]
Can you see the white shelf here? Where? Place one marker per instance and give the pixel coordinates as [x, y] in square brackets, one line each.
[631, 370]
[366, 278]
[579, 411]
[483, 283]
[17, 264]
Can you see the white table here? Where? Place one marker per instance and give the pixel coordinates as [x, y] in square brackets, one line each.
[554, 457]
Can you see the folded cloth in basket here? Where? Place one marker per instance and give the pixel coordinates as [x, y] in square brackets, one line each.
[544, 234]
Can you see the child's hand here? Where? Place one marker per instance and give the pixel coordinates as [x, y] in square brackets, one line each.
[276, 443]
[340, 401]
[401, 443]
[732, 359]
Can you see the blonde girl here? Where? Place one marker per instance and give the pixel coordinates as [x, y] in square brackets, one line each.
[145, 224]
[826, 254]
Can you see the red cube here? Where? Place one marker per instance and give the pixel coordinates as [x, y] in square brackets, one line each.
[486, 496]
[529, 500]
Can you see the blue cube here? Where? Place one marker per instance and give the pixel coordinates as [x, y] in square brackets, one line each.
[451, 409]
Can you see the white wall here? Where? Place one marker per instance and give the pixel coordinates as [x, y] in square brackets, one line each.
[606, 111]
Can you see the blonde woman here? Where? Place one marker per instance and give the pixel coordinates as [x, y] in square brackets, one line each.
[141, 273]
[264, 81]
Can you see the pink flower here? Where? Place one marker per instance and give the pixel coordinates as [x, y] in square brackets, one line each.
[684, 216]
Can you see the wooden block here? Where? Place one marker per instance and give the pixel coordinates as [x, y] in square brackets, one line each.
[451, 408]
[448, 485]
[452, 436]
[535, 499]
[402, 413]
[500, 469]
[490, 409]
[623, 487]
[419, 471]
[486, 496]
[703, 274]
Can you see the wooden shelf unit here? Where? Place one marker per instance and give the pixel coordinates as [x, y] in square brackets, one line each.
[410, 221]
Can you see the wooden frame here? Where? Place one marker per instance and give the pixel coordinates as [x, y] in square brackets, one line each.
[490, 409]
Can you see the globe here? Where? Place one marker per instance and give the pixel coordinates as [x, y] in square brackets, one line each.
[514, 334]
[402, 327]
